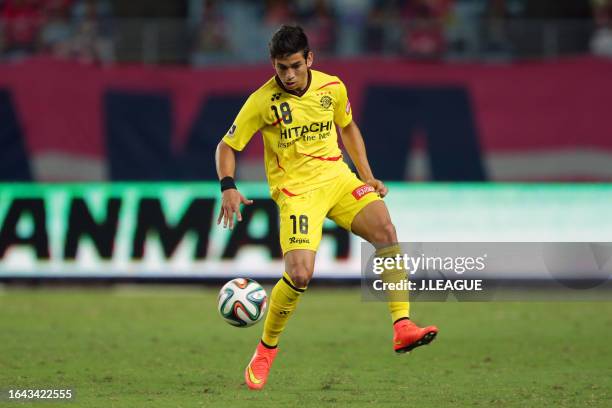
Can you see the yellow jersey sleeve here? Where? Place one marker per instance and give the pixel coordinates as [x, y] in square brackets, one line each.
[246, 124]
[343, 114]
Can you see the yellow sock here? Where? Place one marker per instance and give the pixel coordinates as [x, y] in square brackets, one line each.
[399, 307]
[283, 301]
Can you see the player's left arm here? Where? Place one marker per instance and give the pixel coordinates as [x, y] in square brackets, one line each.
[355, 147]
[352, 139]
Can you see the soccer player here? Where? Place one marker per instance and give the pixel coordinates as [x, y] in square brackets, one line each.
[297, 112]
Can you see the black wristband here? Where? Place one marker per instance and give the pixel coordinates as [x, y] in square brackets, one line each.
[227, 183]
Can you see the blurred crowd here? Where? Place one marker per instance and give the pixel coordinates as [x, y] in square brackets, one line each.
[426, 29]
[601, 42]
[78, 29]
[218, 31]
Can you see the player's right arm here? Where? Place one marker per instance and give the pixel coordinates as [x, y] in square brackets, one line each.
[231, 197]
[248, 121]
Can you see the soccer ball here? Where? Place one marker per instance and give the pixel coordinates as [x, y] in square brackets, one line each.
[242, 302]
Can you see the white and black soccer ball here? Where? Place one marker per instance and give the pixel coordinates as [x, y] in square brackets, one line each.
[242, 302]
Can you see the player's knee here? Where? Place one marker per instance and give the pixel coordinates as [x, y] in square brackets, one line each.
[385, 234]
[302, 280]
[300, 275]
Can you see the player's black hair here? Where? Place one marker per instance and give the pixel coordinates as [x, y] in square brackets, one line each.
[288, 40]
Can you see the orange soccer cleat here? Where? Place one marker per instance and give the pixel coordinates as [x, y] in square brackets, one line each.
[256, 373]
[408, 335]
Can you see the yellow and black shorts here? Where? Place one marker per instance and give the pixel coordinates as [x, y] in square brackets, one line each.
[302, 216]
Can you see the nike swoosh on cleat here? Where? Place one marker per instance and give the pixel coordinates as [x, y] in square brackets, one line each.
[252, 377]
[398, 342]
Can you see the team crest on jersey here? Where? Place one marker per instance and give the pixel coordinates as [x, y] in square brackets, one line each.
[326, 102]
[231, 131]
[275, 97]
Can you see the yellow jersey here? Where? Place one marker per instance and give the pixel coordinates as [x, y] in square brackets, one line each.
[301, 150]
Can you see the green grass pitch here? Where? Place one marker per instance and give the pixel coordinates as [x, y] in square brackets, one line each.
[167, 347]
